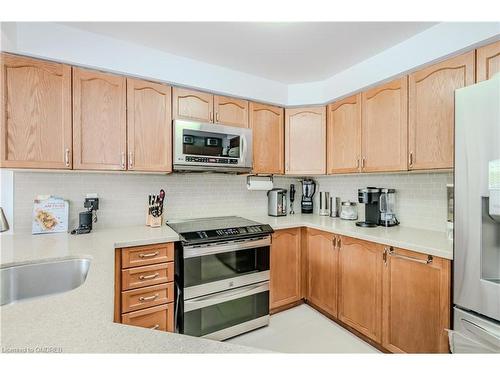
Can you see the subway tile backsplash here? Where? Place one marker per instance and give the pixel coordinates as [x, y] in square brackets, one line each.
[421, 197]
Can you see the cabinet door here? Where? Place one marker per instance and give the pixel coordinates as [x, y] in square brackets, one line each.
[360, 286]
[432, 111]
[149, 126]
[285, 267]
[99, 120]
[344, 135]
[416, 303]
[322, 270]
[231, 111]
[487, 61]
[305, 141]
[266, 122]
[35, 113]
[192, 105]
[385, 127]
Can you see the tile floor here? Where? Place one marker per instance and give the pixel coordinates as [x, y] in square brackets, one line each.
[303, 330]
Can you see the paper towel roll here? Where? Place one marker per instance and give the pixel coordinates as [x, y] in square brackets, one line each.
[259, 184]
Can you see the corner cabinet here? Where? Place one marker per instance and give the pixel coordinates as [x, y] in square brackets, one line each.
[417, 308]
[360, 286]
[99, 120]
[35, 113]
[285, 268]
[322, 270]
[487, 61]
[432, 111]
[267, 124]
[149, 126]
[305, 141]
[344, 135]
[385, 127]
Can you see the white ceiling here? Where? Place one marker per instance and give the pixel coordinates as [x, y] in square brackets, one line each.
[284, 52]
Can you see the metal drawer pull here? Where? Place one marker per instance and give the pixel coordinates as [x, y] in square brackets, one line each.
[150, 298]
[149, 277]
[150, 255]
[66, 157]
[156, 326]
[423, 261]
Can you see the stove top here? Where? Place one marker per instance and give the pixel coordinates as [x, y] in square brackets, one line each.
[218, 228]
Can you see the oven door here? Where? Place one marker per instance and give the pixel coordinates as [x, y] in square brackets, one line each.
[202, 146]
[211, 268]
[227, 314]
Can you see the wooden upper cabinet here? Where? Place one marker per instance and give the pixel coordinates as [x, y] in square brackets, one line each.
[432, 111]
[385, 127]
[416, 299]
[305, 141]
[192, 105]
[99, 120]
[149, 126]
[360, 286]
[487, 61]
[344, 135]
[35, 113]
[267, 124]
[322, 270]
[231, 111]
[285, 267]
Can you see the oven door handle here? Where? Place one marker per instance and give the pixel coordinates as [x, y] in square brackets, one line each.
[216, 298]
[191, 252]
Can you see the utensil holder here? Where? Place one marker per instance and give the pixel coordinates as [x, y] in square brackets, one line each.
[154, 222]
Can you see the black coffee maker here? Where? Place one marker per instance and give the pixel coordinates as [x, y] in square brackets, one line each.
[308, 190]
[370, 196]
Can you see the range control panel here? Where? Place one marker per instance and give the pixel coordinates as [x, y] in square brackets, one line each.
[204, 159]
[224, 233]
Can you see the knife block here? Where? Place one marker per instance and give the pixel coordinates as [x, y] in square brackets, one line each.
[154, 222]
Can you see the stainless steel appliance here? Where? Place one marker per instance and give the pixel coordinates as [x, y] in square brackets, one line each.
[308, 190]
[324, 203]
[276, 202]
[208, 147]
[370, 197]
[387, 206]
[222, 276]
[476, 284]
[292, 198]
[335, 207]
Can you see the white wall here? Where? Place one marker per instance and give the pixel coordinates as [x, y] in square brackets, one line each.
[421, 198]
[7, 196]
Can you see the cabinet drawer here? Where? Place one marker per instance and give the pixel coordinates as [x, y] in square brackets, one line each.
[139, 277]
[150, 254]
[160, 318]
[147, 297]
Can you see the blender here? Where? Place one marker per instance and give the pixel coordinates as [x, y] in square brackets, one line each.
[308, 190]
[387, 205]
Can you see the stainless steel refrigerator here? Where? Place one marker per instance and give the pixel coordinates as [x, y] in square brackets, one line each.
[476, 278]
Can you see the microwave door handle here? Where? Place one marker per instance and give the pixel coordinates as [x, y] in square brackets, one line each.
[214, 299]
[243, 149]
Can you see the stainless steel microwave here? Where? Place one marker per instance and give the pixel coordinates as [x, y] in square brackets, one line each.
[202, 146]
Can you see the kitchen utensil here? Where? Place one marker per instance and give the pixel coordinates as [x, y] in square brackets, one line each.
[324, 203]
[155, 209]
[292, 198]
[349, 210]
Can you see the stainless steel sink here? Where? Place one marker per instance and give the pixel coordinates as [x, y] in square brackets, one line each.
[41, 279]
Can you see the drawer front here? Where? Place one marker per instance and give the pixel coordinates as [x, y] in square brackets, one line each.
[139, 277]
[160, 318]
[150, 254]
[149, 296]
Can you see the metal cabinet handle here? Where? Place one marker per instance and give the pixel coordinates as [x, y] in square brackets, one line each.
[149, 255]
[130, 159]
[149, 277]
[150, 298]
[123, 165]
[211, 116]
[66, 157]
[357, 163]
[339, 243]
[334, 240]
[156, 326]
[363, 162]
[217, 117]
[384, 257]
[410, 160]
[423, 261]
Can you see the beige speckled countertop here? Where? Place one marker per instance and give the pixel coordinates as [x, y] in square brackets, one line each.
[82, 320]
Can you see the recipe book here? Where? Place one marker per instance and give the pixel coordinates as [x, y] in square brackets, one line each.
[50, 215]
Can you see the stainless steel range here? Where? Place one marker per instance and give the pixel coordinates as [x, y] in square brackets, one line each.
[222, 276]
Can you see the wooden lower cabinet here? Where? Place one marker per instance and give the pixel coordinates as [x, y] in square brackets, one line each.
[159, 318]
[360, 286]
[416, 302]
[285, 268]
[322, 270]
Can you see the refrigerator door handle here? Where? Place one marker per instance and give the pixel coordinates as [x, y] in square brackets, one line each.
[481, 333]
